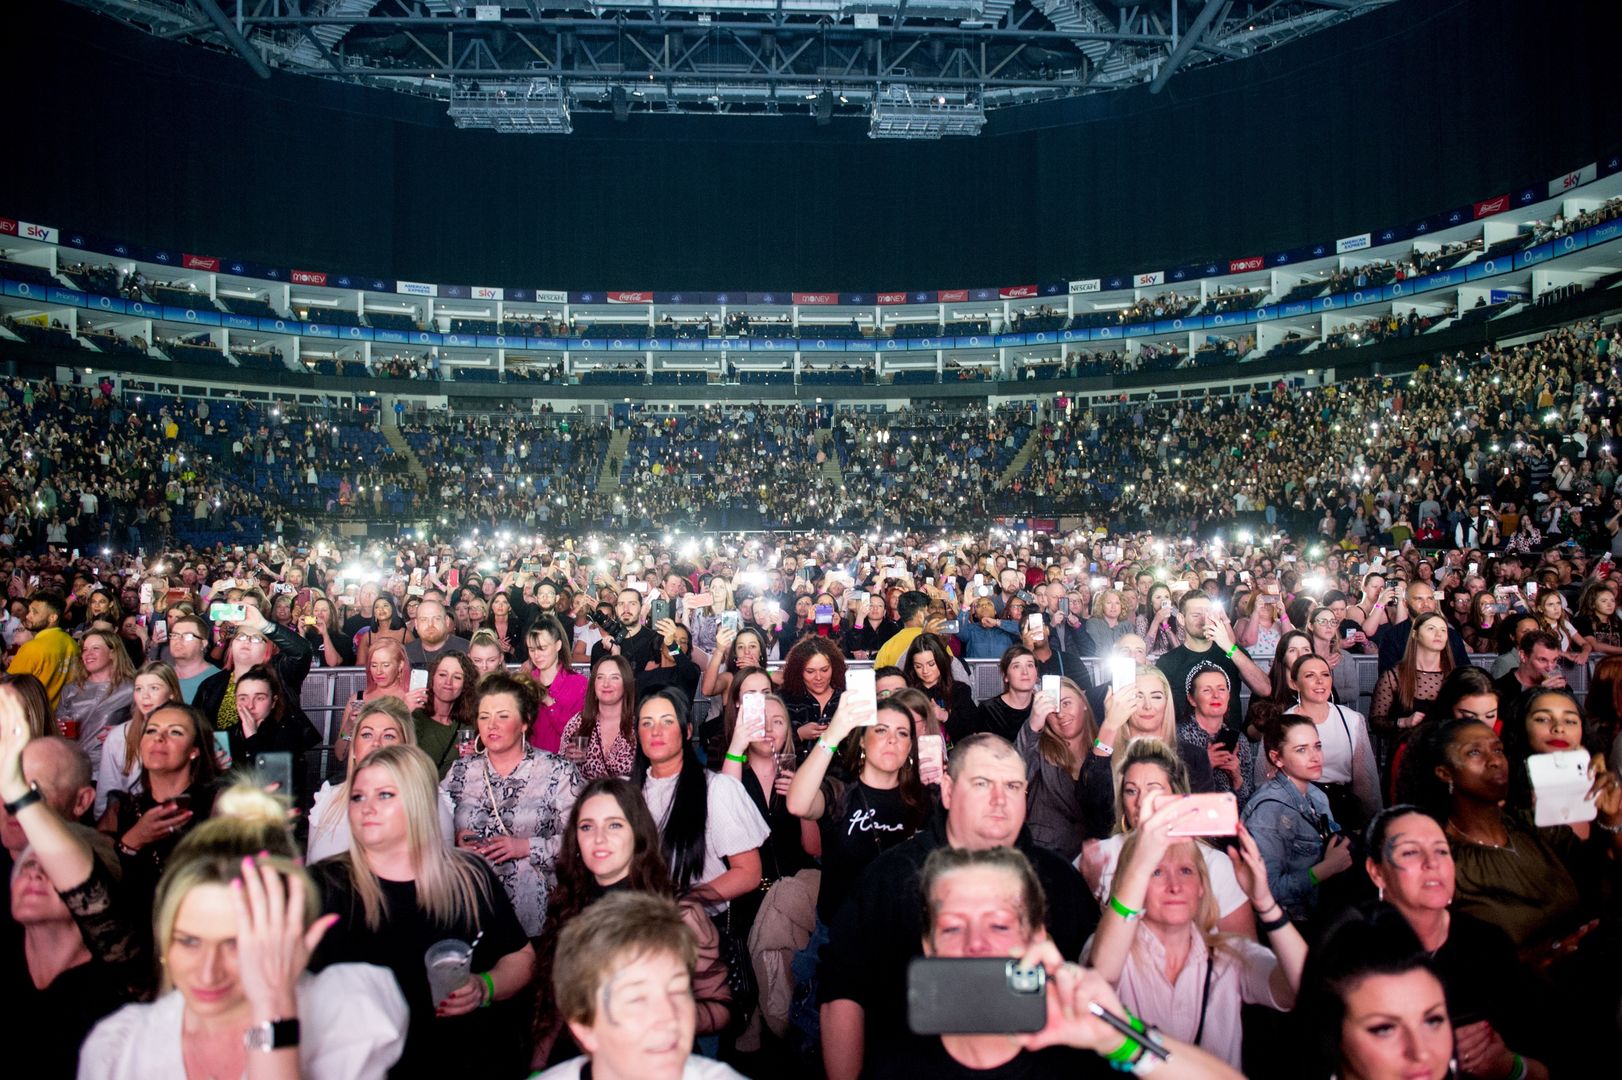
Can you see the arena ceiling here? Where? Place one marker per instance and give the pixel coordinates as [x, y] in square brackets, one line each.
[529, 66]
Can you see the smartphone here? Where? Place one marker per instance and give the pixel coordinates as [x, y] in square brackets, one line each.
[1474, 569]
[950, 627]
[1050, 687]
[1560, 786]
[752, 714]
[1064, 605]
[414, 590]
[729, 620]
[859, 686]
[1225, 739]
[931, 758]
[825, 614]
[1348, 635]
[1123, 674]
[975, 996]
[699, 600]
[419, 678]
[859, 597]
[227, 612]
[1034, 625]
[222, 748]
[276, 768]
[659, 609]
[183, 800]
[1218, 815]
[453, 579]
[1531, 590]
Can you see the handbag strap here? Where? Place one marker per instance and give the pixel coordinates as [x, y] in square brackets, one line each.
[1205, 995]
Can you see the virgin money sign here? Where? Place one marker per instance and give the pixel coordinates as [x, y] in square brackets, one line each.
[1239, 266]
[313, 277]
[891, 298]
[816, 299]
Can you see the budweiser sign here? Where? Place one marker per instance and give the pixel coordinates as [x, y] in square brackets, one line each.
[1492, 206]
[307, 277]
[199, 262]
[953, 296]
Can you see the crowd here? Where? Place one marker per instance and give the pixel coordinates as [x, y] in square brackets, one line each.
[586, 763]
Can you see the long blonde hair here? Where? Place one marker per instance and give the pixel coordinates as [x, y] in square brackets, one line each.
[395, 709]
[449, 884]
[118, 659]
[1206, 914]
[136, 724]
[1168, 722]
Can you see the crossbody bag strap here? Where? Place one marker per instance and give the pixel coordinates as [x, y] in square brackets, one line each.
[1205, 995]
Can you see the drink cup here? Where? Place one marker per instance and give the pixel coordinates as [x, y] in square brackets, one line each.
[450, 965]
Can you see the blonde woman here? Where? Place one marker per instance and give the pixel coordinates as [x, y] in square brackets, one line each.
[400, 889]
[1111, 620]
[1159, 945]
[97, 697]
[120, 768]
[388, 674]
[234, 931]
[383, 722]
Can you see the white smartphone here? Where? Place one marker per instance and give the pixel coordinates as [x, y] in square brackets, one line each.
[1050, 687]
[752, 714]
[1123, 674]
[864, 697]
[419, 678]
[1560, 784]
[931, 758]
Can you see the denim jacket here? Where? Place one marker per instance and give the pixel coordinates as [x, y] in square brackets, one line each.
[1287, 826]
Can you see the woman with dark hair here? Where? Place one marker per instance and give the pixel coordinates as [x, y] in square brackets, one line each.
[1290, 816]
[612, 845]
[1467, 693]
[1509, 874]
[1006, 713]
[323, 630]
[1597, 621]
[734, 651]
[813, 681]
[1480, 630]
[1406, 694]
[562, 693]
[1375, 1005]
[512, 799]
[1291, 647]
[710, 831]
[385, 624]
[1348, 776]
[601, 741]
[1494, 997]
[928, 667]
[267, 723]
[507, 623]
[883, 805]
[452, 706]
[178, 774]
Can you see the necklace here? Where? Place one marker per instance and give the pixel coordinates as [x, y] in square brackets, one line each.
[1508, 845]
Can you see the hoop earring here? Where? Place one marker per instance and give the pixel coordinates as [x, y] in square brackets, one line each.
[478, 744]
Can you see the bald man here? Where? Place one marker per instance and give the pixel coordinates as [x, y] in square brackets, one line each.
[433, 635]
[1418, 599]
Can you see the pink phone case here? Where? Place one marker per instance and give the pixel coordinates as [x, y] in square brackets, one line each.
[1218, 815]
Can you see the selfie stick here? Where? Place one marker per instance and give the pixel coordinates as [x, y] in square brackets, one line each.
[1142, 1038]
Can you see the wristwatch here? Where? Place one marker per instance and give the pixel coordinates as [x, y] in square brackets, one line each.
[276, 1035]
[26, 799]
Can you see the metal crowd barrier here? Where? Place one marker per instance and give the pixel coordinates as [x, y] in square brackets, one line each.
[328, 690]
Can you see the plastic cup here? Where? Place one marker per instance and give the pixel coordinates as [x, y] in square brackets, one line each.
[450, 965]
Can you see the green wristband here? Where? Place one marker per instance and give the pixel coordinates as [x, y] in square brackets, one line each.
[832, 748]
[739, 758]
[1231, 650]
[1121, 909]
[1130, 1048]
[489, 990]
[1312, 876]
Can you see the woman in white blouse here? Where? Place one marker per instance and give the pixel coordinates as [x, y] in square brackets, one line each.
[235, 932]
[1158, 942]
[382, 722]
[710, 829]
[1350, 777]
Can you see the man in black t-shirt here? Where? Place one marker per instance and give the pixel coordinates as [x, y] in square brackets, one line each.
[1209, 638]
[640, 640]
[879, 928]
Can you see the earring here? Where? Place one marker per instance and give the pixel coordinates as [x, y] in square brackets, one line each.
[1380, 892]
[1450, 787]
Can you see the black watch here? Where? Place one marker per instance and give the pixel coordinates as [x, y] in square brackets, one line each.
[25, 800]
[276, 1035]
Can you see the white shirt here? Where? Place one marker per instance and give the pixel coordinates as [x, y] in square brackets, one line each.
[696, 1068]
[111, 775]
[1224, 886]
[732, 827]
[329, 823]
[352, 1021]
